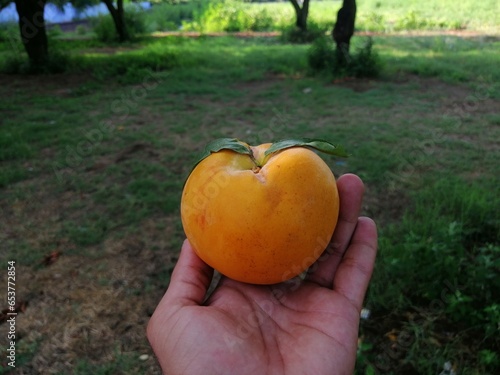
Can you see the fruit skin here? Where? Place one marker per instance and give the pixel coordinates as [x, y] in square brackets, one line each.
[260, 225]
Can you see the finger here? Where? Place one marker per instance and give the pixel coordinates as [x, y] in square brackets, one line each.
[351, 190]
[188, 286]
[190, 279]
[356, 268]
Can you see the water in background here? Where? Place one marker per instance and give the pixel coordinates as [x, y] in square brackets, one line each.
[68, 13]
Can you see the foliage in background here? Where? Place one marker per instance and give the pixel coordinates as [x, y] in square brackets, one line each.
[166, 17]
[372, 15]
[292, 34]
[6, 32]
[16, 62]
[230, 16]
[363, 63]
[105, 29]
[414, 20]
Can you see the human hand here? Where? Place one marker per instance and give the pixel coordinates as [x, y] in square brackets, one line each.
[302, 326]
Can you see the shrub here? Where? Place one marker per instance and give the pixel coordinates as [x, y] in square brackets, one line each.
[105, 30]
[230, 16]
[54, 31]
[217, 16]
[236, 20]
[321, 56]
[135, 21]
[9, 32]
[162, 25]
[81, 30]
[169, 16]
[263, 21]
[364, 63]
[293, 34]
[373, 22]
[16, 60]
[14, 64]
[58, 62]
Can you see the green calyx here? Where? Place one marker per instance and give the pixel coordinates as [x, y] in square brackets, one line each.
[317, 144]
[235, 145]
[225, 144]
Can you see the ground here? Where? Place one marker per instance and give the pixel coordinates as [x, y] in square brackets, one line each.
[91, 267]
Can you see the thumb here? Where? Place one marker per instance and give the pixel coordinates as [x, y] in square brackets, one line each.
[190, 279]
[188, 286]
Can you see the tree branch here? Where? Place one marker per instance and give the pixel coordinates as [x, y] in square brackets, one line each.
[296, 5]
[109, 5]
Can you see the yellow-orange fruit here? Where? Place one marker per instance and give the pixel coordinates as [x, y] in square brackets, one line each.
[260, 219]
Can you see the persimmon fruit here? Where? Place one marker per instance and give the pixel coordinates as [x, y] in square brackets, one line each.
[261, 214]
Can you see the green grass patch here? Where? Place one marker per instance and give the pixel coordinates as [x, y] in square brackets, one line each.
[87, 231]
[12, 174]
[123, 363]
[143, 195]
[443, 255]
[451, 229]
[25, 351]
[452, 59]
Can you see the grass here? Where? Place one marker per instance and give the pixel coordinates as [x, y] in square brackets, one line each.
[442, 254]
[372, 15]
[94, 170]
[125, 363]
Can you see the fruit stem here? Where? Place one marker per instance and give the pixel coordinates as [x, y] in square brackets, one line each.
[258, 157]
[252, 157]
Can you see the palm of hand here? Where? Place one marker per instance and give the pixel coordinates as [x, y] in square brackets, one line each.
[266, 330]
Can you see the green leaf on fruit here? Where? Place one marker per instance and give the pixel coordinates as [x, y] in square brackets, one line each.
[224, 144]
[317, 144]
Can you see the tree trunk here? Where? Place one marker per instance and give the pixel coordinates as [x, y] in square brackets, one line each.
[344, 29]
[32, 29]
[118, 18]
[301, 13]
